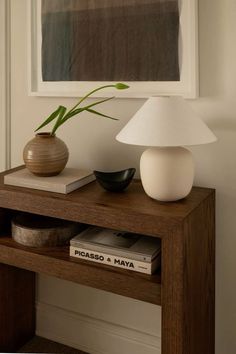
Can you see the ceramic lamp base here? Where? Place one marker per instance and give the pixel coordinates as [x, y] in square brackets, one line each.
[167, 173]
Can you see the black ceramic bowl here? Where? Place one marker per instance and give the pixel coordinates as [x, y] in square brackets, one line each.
[115, 181]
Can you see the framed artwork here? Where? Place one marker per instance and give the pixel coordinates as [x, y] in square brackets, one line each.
[76, 45]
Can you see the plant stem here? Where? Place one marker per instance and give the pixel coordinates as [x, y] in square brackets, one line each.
[89, 94]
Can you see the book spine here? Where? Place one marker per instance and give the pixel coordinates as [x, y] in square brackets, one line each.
[82, 182]
[115, 261]
[112, 251]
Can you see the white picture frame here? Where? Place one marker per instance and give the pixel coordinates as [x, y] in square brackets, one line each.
[187, 87]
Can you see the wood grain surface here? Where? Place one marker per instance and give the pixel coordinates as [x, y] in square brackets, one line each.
[17, 307]
[188, 284]
[199, 279]
[42, 345]
[131, 210]
[55, 261]
[184, 287]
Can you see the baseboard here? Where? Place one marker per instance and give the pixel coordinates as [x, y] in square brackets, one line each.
[92, 335]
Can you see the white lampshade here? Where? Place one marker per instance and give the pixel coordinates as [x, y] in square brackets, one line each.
[166, 121]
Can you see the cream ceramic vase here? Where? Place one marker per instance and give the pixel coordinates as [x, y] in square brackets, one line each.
[45, 155]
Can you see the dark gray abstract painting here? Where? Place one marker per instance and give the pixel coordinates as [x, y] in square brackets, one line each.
[110, 40]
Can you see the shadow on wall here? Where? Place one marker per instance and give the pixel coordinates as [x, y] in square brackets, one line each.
[211, 47]
[224, 125]
[123, 156]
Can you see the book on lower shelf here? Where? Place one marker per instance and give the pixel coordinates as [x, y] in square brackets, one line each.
[119, 249]
[67, 181]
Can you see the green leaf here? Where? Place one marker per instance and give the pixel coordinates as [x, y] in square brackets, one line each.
[121, 86]
[79, 110]
[100, 114]
[72, 113]
[98, 102]
[89, 94]
[118, 86]
[50, 118]
[59, 120]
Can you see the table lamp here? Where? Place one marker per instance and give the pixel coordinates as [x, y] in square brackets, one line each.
[165, 125]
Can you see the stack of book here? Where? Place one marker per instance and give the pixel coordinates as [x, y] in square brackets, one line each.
[119, 249]
[67, 181]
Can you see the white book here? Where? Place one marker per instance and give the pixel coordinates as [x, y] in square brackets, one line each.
[67, 181]
[116, 261]
[118, 243]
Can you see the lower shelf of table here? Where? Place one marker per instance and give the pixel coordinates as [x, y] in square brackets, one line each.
[42, 345]
[55, 261]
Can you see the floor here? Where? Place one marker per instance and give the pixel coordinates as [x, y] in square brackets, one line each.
[41, 345]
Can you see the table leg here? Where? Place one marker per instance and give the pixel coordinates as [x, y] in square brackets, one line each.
[17, 307]
[188, 284]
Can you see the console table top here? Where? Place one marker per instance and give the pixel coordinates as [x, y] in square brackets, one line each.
[131, 210]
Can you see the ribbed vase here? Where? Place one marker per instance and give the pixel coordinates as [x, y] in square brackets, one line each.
[45, 155]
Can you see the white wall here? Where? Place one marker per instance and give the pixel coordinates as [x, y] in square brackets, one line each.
[92, 144]
[4, 87]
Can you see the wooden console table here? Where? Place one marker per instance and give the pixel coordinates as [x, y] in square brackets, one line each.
[184, 286]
